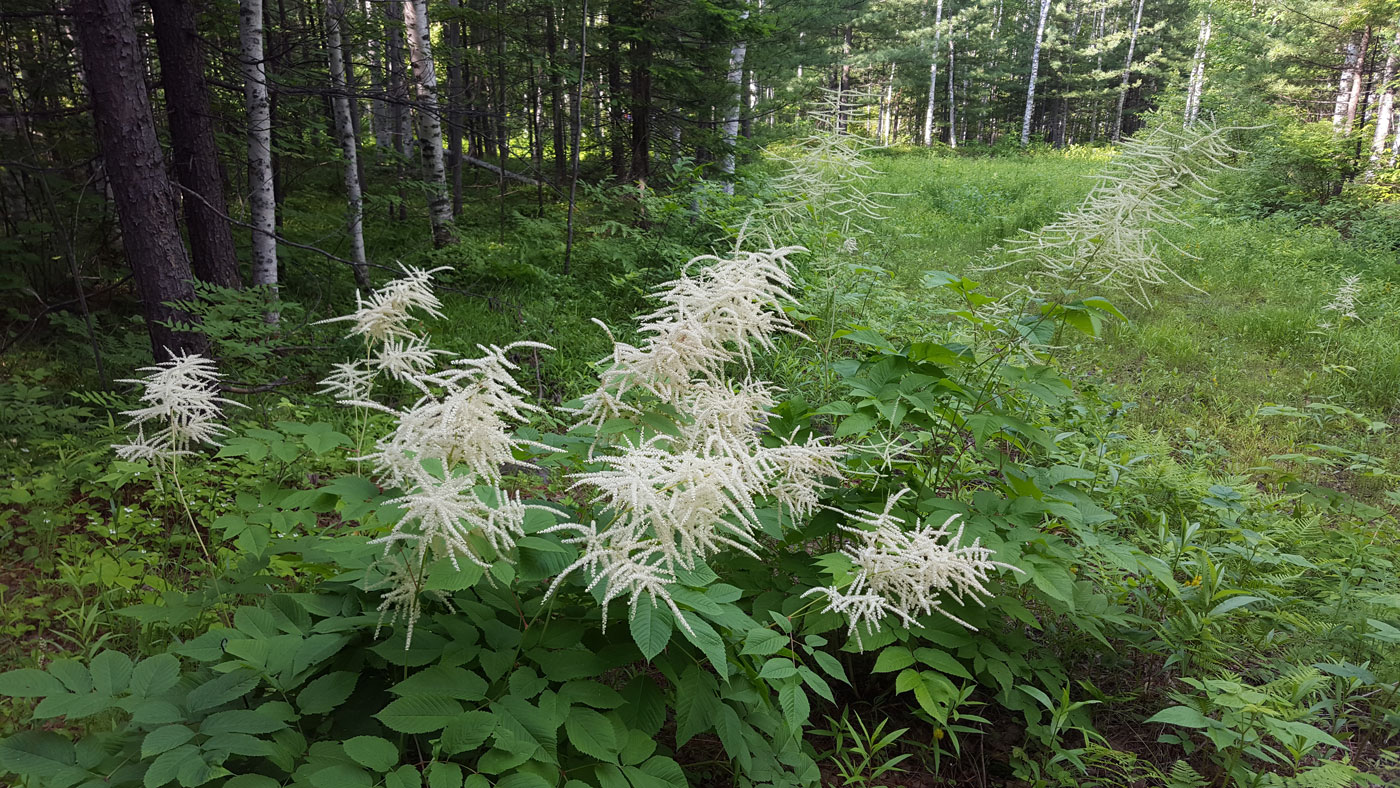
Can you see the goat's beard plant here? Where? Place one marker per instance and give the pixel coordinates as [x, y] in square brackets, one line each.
[687, 483]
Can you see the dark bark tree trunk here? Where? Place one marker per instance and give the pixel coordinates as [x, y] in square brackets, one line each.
[617, 146]
[641, 55]
[126, 131]
[456, 90]
[556, 96]
[196, 155]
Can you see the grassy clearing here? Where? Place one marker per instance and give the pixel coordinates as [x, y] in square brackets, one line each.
[1201, 366]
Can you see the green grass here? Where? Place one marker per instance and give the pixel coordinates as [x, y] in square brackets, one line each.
[1198, 365]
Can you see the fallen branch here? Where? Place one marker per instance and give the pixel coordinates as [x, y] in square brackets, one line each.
[515, 176]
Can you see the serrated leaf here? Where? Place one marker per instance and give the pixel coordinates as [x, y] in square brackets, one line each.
[29, 683]
[451, 682]
[154, 675]
[592, 734]
[326, 692]
[707, 640]
[893, 658]
[372, 752]
[240, 721]
[221, 689]
[444, 775]
[419, 713]
[1181, 716]
[763, 642]
[942, 661]
[341, 775]
[165, 739]
[165, 768]
[777, 668]
[41, 754]
[651, 628]
[830, 665]
[468, 731]
[793, 701]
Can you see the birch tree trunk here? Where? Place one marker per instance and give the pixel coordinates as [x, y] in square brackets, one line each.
[731, 118]
[378, 107]
[1349, 75]
[933, 73]
[1358, 78]
[420, 53]
[1198, 71]
[345, 133]
[952, 104]
[1035, 72]
[262, 202]
[1127, 72]
[1385, 111]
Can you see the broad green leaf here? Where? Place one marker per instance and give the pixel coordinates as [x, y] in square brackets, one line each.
[373, 753]
[29, 683]
[893, 658]
[942, 661]
[651, 628]
[763, 642]
[326, 692]
[341, 775]
[444, 775]
[1181, 716]
[221, 689]
[168, 765]
[154, 675]
[451, 682]
[419, 713]
[467, 731]
[795, 706]
[39, 754]
[592, 734]
[777, 668]
[1232, 603]
[707, 640]
[165, 739]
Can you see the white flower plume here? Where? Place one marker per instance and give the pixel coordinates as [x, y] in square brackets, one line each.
[388, 312]
[447, 516]
[1113, 238]
[903, 572]
[182, 409]
[1343, 304]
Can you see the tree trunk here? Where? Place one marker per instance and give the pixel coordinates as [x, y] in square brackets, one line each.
[952, 103]
[1350, 69]
[420, 53]
[1385, 111]
[731, 120]
[262, 201]
[641, 56]
[1198, 71]
[113, 70]
[345, 133]
[933, 74]
[1358, 79]
[556, 96]
[195, 153]
[1127, 73]
[456, 92]
[1035, 72]
[617, 145]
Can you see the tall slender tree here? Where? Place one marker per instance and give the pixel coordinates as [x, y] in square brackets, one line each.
[194, 151]
[345, 133]
[933, 73]
[1035, 72]
[262, 200]
[420, 50]
[1127, 72]
[114, 71]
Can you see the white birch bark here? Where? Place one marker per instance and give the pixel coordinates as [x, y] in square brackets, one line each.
[952, 104]
[731, 118]
[261, 197]
[345, 131]
[378, 109]
[420, 53]
[885, 133]
[933, 73]
[1197, 84]
[1349, 64]
[1035, 72]
[1127, 73]
[1385, 111]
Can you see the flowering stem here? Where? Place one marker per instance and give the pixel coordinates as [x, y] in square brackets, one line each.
[180, 491]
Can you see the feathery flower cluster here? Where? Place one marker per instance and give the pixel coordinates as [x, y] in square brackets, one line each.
[827, 174]
[902, 572]
[182, 406]
[1112, 239]
[707, 321]
[385, 322]
[1343, 304]
[446, 450]
[676, 501]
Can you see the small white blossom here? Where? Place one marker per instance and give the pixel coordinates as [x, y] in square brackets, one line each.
[386, 314]
[445, 515]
